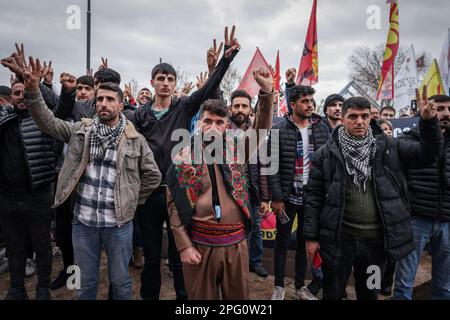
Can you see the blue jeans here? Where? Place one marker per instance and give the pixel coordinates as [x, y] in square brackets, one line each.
[87, 246]
[437, 235]
[254, 239]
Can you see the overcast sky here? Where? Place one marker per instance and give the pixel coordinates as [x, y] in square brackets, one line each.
[134, 34]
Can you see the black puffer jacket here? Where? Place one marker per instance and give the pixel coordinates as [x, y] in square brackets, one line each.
[429, 187]
[281, 183]
[326, 189]
[39, 149]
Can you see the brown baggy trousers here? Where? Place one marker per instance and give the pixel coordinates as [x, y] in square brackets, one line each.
[223, 270]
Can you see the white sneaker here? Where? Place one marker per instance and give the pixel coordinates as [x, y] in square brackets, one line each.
[2, 252]
[56, 252]
[29, 268]
[304, 294]
[278, 293]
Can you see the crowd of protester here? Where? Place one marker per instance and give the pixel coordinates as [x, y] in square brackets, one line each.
[99, 162]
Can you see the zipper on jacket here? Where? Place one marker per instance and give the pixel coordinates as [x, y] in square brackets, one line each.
[343, 194]
[441, 168]
[25, 155]
[379, 209]
[400, 190]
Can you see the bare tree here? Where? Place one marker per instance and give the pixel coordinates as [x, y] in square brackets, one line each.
[182, 78]
[423, 60]
[365, 66]
[229, 83]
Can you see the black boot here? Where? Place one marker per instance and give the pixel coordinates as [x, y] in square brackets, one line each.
[17, 294]
[43, 293]
[314, 286]
[60, 280]
[259, 270]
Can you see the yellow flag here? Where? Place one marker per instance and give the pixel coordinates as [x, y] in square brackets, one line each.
[433, 80]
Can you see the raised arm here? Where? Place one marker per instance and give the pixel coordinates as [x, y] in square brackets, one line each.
[263, 118]
[41, 114]
[232, 47]
[430, 147]
[290, 82]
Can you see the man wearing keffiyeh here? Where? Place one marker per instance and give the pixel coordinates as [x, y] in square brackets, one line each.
[110, 169]
[357, 211]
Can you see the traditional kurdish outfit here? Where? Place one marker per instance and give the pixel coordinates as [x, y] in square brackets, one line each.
[222, 243]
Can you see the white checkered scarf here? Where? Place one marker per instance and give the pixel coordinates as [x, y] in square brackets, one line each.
[358, 155]
[102, 136]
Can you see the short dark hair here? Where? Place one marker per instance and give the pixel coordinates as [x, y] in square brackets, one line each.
[5, 91]
[388, 108]
[86, 80]
[17, 81]
[240, 94]
[380, 122]
[144, 89]
[296, 92]
[112, 87]
[440, 98]
[107, 75]
[214, 106]
[355, 102]
[163, 68]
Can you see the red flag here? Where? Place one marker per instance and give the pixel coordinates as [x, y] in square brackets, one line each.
[308, 72]
[248, 83]
[386, 85]
[282, 108]
[277, 76]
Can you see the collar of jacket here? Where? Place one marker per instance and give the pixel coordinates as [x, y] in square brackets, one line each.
[130, 131]
[234, 126]
[315, 119]
[147, 107]
[8, 114]
[380, 141]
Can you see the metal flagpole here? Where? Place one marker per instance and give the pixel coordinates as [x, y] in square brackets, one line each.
[88, 37]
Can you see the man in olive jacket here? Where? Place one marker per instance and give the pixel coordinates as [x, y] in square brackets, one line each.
[110, 169]
[357, 210]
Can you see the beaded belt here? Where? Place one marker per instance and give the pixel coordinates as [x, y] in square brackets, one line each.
[217, 234]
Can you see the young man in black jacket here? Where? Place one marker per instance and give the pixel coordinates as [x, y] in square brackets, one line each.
[356, 206]
[156, 121]
[300, 134]
[332, 108]
[429, 194]
[27, 172]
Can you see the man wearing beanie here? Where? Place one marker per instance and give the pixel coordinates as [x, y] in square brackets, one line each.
[356, 207]
[332, 110]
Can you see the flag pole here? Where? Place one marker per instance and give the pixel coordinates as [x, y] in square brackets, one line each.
[88, 36]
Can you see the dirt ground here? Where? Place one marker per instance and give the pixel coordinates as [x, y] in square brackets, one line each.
[260, 288]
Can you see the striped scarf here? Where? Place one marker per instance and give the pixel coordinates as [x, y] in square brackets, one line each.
[102, 136]
[358, 155]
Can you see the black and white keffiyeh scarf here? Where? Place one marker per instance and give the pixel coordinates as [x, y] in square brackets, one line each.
[358, 155]
[102, 136]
